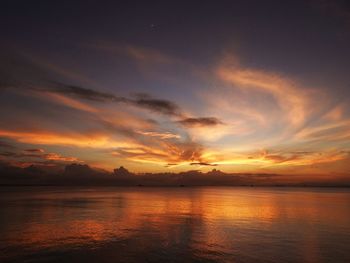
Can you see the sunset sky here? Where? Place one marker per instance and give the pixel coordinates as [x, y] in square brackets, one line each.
[240, 86]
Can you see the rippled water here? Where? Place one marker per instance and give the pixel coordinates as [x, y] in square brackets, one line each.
[214, 224]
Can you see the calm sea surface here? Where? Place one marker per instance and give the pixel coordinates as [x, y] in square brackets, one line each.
[213, 224]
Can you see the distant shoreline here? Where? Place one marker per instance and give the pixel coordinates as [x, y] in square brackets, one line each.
[177, 186]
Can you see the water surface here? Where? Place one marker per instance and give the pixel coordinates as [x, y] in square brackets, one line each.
[187, 224]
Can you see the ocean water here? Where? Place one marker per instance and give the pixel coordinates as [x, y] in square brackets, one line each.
[184, 224]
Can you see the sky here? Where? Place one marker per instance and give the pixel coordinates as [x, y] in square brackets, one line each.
[160, 86]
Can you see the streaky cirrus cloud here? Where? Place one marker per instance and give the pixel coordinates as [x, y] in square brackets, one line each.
[162, 135]
[294, 101]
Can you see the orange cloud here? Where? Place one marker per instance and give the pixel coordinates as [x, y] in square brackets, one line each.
[58, 157]
[165, 152]
[293, 100]
[49, 138]
[73, 103]
[274, 159]
[338, 130]
[165, 135]
[335, 114]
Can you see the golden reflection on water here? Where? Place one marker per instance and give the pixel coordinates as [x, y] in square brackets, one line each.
[211, 223]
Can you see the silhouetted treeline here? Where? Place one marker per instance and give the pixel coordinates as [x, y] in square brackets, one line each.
[84, 175]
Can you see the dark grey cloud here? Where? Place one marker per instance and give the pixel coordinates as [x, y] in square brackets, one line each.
[84, 93]
[202, 121]
[157, 105]
[141, 100]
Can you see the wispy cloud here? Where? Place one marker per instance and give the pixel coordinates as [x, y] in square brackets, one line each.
[294, 101]
[164, 135]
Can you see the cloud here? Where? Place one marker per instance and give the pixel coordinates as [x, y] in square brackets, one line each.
[84, 93]
[142, 100]
[164, 135]
[277, 160]
[38, 154]
[204, 121]
[37, 83]
[257, 112]
[58, 157]
[163, 152]
[136, 145]
[335, 114]
[330, 131]
[56, 138]
[131, 141]
[204, 164]
[293, 100]
[156, 105]
[68, 101]
[184, 152]
[300, 158]
[140, 154]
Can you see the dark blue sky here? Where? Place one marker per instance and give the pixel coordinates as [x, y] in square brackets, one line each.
[292, 36]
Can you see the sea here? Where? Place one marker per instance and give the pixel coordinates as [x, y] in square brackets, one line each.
[174, 224]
